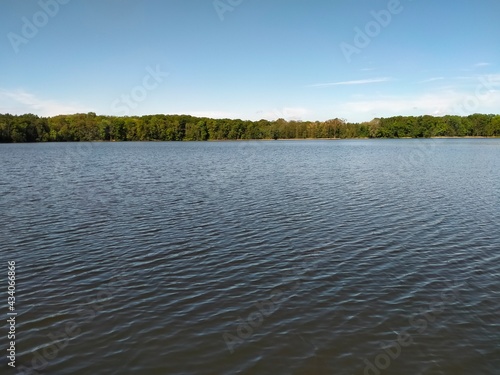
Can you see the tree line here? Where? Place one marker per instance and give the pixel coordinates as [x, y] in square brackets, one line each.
[91, 127]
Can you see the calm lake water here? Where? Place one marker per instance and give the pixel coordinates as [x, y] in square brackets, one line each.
[279, 257]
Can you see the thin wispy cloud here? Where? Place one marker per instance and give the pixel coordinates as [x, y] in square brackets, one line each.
[476, 78]
[434, 79]
[355, 82]
[20, 102]
[482, 64]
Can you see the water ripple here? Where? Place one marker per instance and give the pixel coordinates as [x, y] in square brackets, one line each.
[155, 251]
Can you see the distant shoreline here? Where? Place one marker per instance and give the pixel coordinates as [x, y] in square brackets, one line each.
[90, 127]
[336, 139]
[252, 140]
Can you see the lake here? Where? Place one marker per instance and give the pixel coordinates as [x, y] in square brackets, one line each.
[273, 257]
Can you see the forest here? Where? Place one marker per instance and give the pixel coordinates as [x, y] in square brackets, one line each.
[92, 127]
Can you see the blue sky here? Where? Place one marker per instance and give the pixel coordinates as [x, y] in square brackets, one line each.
[250, 59]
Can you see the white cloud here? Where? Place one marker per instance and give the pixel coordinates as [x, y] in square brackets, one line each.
[287, 113]
[355, 82]
[482, 64]
[445, 102]
[21, 102]
[494, 78]
[211, 114]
